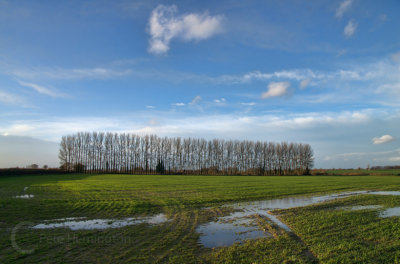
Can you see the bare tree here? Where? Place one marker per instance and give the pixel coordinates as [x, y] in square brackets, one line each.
[128, 153]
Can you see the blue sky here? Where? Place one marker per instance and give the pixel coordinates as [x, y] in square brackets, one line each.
[325, 73]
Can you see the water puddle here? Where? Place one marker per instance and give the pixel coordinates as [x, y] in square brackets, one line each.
[66, 219]
[396, 193]
[25, 196]
[359, 207]
[228, 230]
[74, 223]
[238, 226]
[390, 212]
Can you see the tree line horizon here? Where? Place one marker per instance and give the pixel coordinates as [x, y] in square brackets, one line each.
[99, 152]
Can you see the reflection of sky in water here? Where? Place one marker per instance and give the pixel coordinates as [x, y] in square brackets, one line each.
[390, 212]
[227, 230]
[75, 224]
[25, 196]
[225, 234]
[360, 207]
[386, 192]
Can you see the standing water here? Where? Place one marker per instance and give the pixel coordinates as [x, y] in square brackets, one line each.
[240, 226]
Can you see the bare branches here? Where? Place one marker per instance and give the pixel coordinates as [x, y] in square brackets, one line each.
[128, 153]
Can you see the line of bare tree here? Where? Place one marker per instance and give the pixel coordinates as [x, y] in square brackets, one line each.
[129, 153]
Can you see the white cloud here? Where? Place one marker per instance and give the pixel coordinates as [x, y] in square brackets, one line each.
[350, 28]
[179, 104]
[382, 156]
[276, 89]
[69, 74]
[382, 139]
[249, 104]
[390, 89]
[295, 74]
[195, 100]
[341, 52]
[379, 70]
[165, 25]
[201, 125]
[343, 7]
[220, 101]
[53, 129]
[154, 122]
[304, 83]
[11, 99]
[395, 159]
[150, 107]
[327, 132]
[20, 129]
[396, 57]
[250, 126]
[42, 90]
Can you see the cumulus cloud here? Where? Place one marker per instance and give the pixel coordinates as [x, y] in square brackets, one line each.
[179, 104]
[42, 90]
[350, 28]
[195, 100]
[165, 25]
[304, 83]
[382, 139]
[276, 89]
[343, 7]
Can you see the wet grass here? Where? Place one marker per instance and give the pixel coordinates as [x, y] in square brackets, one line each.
[183, 199]
[337, 235]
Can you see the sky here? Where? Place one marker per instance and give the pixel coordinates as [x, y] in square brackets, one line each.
[326, 73]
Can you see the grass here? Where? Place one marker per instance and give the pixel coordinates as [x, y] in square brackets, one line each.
[345, 236]
[186, 200]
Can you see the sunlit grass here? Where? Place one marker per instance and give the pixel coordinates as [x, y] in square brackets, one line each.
[183, 199]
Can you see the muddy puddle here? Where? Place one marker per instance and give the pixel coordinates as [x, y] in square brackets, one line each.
[239, 226]
[81, 223]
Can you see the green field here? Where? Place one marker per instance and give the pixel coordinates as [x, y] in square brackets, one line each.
[332, 236]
